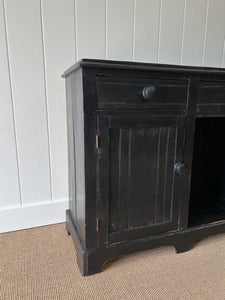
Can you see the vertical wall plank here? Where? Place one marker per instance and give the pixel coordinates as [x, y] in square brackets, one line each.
[90, 26]
[146, 30]
[194, 31]
[59, 54]
[26, 64]
[223, 61]
[171, 31]
[215, 32]
[9, 184]
[120, 17]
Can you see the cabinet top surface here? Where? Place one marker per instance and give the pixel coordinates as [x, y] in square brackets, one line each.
[127, 65]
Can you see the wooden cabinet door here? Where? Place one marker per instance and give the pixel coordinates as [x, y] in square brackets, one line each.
[138, 189]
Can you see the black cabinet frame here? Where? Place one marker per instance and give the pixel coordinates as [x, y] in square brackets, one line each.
[105, 136]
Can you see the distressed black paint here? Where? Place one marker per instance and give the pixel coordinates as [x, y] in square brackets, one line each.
[139, 172]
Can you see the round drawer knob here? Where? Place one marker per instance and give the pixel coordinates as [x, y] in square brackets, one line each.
[180, 168]
[148, 92]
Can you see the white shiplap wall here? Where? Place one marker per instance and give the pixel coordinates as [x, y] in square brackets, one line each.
[38, 40]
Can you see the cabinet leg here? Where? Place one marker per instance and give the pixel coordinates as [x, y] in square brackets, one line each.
[90, 261]
[90, 264]
[67, 229]
[182, 246]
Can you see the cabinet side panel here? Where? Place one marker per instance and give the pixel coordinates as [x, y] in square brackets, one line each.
[75, 123]
[70, 139]
[91, 206]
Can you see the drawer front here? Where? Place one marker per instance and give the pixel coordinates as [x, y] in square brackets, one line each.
[211, 97]
[211, 92]
[141, 93]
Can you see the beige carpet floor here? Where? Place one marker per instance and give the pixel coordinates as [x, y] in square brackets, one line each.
[40, 263]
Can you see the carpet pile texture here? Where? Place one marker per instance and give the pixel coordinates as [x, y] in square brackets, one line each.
[40, 263]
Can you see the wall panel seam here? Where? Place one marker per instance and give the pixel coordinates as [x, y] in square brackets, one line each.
[159, 30]
[75, 29]
[223, 53]
[106, 29]
[46, 98]
[105, 1]
[184, 20]
[12, 104]
[205, 32]
[134, 26]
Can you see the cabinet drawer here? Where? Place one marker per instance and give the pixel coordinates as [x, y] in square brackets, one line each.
[141, 93]
[211, 92]
[211, 97]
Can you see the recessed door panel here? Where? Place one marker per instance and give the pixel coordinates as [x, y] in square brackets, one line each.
[140, 162]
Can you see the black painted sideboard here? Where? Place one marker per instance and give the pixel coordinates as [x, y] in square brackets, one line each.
[146, 157]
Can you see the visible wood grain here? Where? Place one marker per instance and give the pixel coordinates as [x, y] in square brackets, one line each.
[124, 177]
[162, 164]
[211, 97]
[136, 197]
[91, 158]
[76, 155]
[103, 184]
[79, 155]
[144, 177]
[91, 261]
[71, 149]
[114, 173]
[138, 164]
[169, 210]
[91, 25]
[211, 92]
[126, 93]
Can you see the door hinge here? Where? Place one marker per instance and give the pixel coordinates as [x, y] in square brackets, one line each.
[97, 224]
[97, 141]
